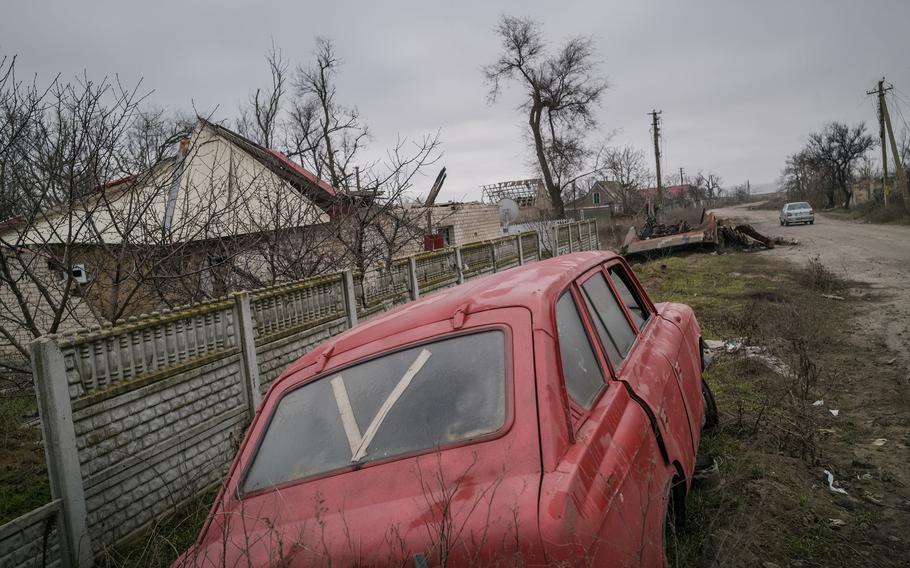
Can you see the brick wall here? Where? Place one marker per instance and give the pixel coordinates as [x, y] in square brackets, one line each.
[470, 221]
[76, 316]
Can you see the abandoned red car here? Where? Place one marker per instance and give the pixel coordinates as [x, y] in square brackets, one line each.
[546, 415]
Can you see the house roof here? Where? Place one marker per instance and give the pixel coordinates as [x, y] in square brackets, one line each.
[159, 188]
[671, 190]
[301, 178]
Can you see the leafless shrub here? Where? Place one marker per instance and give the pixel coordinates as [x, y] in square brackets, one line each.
[819, 277]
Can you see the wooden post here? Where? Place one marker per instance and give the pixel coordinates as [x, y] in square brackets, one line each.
[350, 298]
[412, 277]
[243, 327]
[64, 472]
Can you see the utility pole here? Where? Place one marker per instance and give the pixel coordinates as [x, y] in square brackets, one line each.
[681, 179]
[655, 126]
[881, 90]
[899, 172]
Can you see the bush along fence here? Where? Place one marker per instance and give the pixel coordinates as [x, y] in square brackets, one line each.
[138, 418]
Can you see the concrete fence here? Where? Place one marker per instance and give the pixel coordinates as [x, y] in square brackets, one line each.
[138, 418]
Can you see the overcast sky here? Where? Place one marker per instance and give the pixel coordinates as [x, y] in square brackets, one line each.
[740, 83]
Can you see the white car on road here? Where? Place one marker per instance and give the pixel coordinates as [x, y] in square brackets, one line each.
[797, 212]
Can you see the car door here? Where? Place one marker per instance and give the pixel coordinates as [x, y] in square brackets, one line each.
[605, 503]
[682, 352]
[639, 358]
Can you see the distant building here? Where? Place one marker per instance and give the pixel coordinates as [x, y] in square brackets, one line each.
[681, 195]
[601, 200]
[530, 195]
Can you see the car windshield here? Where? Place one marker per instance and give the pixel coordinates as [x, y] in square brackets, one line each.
[800, 205]
[411, 400]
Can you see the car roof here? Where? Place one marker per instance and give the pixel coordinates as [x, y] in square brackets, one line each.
[533, 286]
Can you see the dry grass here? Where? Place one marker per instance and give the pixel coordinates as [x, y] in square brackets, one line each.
[896, 213]
[772, 505]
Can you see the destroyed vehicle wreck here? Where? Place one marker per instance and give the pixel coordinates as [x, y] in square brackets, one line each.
[654, 237]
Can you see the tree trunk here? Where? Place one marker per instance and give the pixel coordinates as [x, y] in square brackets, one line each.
[553, 191]
[848, 196]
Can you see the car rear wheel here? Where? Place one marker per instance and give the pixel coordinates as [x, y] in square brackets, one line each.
[711, 415]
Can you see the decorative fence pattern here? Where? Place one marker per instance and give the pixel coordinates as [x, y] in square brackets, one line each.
[574, 237]
[139, 417]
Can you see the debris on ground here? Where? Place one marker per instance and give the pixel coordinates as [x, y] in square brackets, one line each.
[654, 236]
[879, 442]
[831, 486]
[834, 412]
[732, 346]
[832, 297]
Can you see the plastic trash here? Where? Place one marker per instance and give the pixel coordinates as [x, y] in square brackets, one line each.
[831, 486]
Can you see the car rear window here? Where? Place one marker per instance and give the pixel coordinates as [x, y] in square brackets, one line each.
[799, 205]
[415, 399]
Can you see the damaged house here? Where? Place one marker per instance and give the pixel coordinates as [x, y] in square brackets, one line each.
[221, 214]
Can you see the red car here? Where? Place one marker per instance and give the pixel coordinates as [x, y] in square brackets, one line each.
[546, 415]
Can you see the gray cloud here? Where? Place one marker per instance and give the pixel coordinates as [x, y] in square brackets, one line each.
[741, 84]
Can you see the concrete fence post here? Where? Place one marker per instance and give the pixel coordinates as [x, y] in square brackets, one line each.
[569, 227]
[459, 265]
[243, 326]
[520, 248]
[412, 277]
[555, 240]
[64, 472]
[350, 298]
[493, 254]
[596, 234]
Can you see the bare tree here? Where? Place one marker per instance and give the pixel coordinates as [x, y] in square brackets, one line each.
[372, 224]
[628, 168]
[325, 135]
[562, 92]
[259, 120]
[710, 183]
[837, 150]
[110, 219]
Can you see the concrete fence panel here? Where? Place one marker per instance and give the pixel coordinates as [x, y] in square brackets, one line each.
[33, 540]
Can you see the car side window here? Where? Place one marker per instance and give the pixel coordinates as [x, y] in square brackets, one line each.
[629, 296]
[582, 373]
[615, 331]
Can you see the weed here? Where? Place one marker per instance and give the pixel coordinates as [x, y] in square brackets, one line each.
[818, 277]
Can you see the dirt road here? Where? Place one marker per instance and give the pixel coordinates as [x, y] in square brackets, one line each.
[877, 255]
[868, 444]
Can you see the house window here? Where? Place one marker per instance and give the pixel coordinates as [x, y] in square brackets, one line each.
[596, 197]
[448, 236]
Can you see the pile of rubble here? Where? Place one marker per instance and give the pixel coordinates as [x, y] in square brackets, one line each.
[711, 232]
[746, 237]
